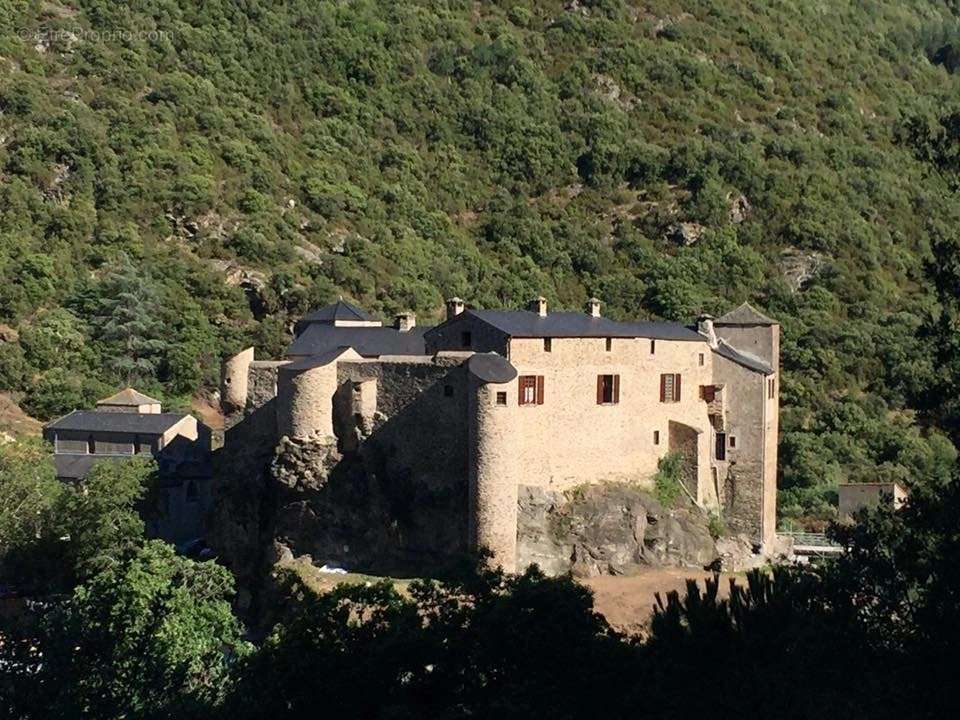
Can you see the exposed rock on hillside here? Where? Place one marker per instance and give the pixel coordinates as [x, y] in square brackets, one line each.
[613, 529]
[799, 267]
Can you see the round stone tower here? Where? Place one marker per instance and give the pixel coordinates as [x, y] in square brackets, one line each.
[234, 381]
[493, 481]
[305, 391]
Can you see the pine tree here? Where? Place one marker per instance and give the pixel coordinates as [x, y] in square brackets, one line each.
[126, 323]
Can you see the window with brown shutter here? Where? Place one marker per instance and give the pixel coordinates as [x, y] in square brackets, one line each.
[670, 387]
[771, 389]
[531, 390]
[608, 389]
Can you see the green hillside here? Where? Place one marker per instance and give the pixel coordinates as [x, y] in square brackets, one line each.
[178, 178]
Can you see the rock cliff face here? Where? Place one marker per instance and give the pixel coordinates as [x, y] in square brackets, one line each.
[611, 528]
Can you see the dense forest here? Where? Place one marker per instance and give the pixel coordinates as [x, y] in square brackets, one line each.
[124, 628]
[178, 178]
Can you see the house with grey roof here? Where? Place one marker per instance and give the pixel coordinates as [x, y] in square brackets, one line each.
[131, 424]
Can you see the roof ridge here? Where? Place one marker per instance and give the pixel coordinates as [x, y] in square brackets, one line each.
[744, 314]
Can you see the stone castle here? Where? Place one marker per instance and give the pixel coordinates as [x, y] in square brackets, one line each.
[428, 437]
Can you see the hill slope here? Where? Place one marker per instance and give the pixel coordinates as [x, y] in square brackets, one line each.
[398, 152]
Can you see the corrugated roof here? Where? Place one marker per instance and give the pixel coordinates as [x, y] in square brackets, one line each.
[92, 421]
[523, 323]
[751, 362]
[367, 341]
[129, 396]
[340, 310]
[746, 314]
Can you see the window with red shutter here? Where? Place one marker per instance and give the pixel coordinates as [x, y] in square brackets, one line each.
[670, 387]
[608, 389]
[530, 389]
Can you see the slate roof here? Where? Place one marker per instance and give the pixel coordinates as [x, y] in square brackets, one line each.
[340, 310]
[367, 341]
[526, 324]
[92, 421]
[491, 368]
[746, 314]
[751, 362]
[129, 396]
[76, 467]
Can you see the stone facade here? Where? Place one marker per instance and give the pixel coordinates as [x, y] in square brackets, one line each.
[489, 410]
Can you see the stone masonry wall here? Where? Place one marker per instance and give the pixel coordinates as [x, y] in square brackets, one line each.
[570, 439]
[742, 491]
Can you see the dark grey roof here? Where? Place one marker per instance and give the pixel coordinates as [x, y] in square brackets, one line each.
[746, 314]
[77, 467]
[92, 421]
[751, 362]
[367, 341]
[491, 368]
[523, 323]
[340, 310]
[308, 362]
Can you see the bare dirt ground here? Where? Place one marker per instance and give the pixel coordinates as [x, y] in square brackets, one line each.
[15, 421]
[626, 602]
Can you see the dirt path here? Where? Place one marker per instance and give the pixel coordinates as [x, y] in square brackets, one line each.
[627, 602]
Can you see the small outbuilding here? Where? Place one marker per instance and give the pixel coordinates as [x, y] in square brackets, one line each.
[871, 495]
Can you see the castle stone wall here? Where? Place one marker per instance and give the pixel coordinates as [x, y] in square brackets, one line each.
[742, 492]
[570, 439]
[483, 337]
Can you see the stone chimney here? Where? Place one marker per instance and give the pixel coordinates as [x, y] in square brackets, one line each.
[539, 306]
[705, 327]
[454, 307]
[405, 321]
[593, 307]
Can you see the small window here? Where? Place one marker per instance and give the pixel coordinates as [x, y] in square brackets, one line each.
[531, 390]
[608, 389]
[721, 446]
[501, 398]
[670, 387]
[91, 445]
[656, 437]
[733, 441]
[609, 344]
[548, 344]
[466, 340]
[448, 390]
[771, 388]
[653, 346]
[701, 360]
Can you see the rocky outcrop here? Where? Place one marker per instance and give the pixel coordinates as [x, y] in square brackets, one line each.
[685, 233]
[608, 529]
[800, 267]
